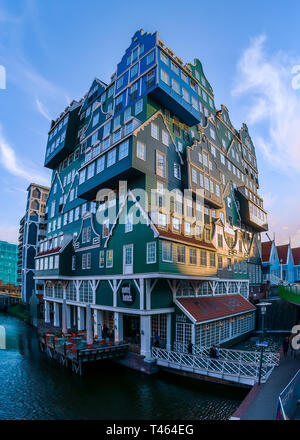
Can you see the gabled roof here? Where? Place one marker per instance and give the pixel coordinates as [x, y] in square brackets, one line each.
[203, 309]
[282, 252]
[266, 247]
[296, 255]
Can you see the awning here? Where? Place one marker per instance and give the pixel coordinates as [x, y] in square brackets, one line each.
[203, 309]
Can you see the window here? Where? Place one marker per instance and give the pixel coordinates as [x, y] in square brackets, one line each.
[164, 58]
[193, 256]
[134, 71]
[52, 213]
[180, 254]
[151, 253]
[101, 258]
[220, 240]
[176, 224]
[129, 223]
[95, 120]
[177, 171]
[105, 228]
[90, 170]
[194, 175]
[123, 150]
[154, 131]
[81, 177]
[175, 68]
[162, 220]
[109, 258]
[212, 259]
[100, 164]
[138, 107]
[150, 57]
[184, 77]
[187, 228]
[220, 262]
[160, 164]
[120, 82]
[185, 95]
[141, 150]
[164, 76]
[167, 251]
[165, 138]
[106, 129]
[175, 86]
[203, 258]
[111, 157]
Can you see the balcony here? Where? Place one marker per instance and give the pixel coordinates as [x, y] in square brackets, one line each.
[251, 214]
[214, 200]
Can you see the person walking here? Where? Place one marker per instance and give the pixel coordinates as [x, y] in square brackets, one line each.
[190, 348]
[156, 340]
[285, 347]
[293, 351]
[217, 351]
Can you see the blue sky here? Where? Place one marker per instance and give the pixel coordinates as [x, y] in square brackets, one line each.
[52, 50]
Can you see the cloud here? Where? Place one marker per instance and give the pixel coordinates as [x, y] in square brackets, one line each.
[9, 161]
[9, 233]
[42, 109]
[267, 81]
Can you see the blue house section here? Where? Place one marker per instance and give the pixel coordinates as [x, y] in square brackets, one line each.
[280, 263]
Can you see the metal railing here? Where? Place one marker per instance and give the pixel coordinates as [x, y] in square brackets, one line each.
[275, 279]
[269, 358]
[229, 370]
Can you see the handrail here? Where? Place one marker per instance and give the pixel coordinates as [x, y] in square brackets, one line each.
[217, 366]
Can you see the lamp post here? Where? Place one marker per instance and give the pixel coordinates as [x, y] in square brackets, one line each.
[263, 309]
[281, 269]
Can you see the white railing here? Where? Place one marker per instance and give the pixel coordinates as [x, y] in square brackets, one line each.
[228, 370]
[269, 358]
[275, 279]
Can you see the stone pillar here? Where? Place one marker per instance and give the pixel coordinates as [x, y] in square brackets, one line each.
[80, 318]
[169, 331]
[146, 337]
[97, 323]
[47, 311]
[118, 326]
[56, 314]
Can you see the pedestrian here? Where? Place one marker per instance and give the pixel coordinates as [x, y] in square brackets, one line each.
[285, 347]
[190, 348]
[156, 340]
[293, 351]
[213, 352]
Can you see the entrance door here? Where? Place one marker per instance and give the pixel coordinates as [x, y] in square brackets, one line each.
[128, 259]
[131, 328]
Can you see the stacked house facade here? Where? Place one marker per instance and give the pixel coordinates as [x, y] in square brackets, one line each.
[32, 230]
[153, 215]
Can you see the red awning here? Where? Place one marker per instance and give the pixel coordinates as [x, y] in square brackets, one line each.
[214, 307]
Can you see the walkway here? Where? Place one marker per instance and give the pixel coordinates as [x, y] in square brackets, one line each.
[242, 371]
[264, 404]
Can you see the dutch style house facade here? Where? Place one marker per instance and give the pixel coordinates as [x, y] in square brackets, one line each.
[183, 270]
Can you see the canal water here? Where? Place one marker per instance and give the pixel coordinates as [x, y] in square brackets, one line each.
[35, 387]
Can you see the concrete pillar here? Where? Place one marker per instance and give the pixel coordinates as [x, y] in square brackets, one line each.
[169, 322]
[142, 294]
[80, 318]
[47, 311]
[56, 314]
[118, 326]
[97, 323]
[146, 337]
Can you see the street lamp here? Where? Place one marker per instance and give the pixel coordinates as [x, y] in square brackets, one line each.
[281, 269]
[263, 309]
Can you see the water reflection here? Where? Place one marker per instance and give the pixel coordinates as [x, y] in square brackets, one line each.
[34, 387]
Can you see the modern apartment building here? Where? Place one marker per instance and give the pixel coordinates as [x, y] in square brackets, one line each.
[32, 229]
[8, 262]
[146, 262]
